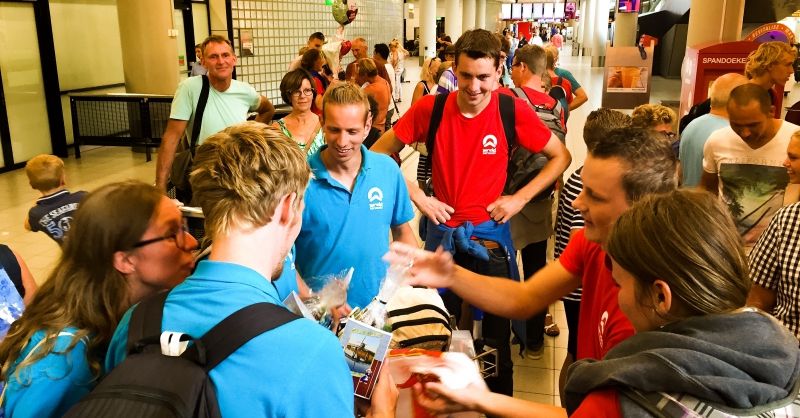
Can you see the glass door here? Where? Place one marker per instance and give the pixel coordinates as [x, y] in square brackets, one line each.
[23, 90]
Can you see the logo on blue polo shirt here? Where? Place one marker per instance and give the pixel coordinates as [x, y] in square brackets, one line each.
[375, 196]
[489, 145]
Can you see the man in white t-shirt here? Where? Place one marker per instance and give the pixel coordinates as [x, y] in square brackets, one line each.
[315, 41]
[743, 163]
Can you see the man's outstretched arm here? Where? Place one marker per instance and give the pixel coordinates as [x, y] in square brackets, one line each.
[496, 295]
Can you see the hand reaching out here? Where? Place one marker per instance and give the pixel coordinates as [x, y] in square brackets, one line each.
[430, 269]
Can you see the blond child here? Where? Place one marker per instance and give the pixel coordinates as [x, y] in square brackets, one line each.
[53, 212]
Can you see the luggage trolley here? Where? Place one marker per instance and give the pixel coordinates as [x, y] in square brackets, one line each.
[472, 344]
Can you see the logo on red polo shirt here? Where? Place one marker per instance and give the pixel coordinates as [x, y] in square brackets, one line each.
[375, 196]
[601, 328]
[489, 145]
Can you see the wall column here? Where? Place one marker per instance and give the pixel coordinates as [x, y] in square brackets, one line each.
[625, 29]
[452, 21]
[149, 53]
[469, 18]
[714, 21]
[600, 34]
[427, 28]
[480, 20]
[577, 34]
[588, 27]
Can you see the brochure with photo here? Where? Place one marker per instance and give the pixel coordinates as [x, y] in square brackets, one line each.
[365, 350]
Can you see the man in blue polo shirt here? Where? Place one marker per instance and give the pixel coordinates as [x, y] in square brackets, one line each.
[253, 214]
[355, 198]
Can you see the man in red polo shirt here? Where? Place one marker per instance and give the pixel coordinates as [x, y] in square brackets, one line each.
[468, 213]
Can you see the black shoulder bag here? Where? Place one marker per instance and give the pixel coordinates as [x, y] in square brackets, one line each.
[182, 164]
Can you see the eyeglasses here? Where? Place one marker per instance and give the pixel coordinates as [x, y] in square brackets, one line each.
[516, 64]
[304, 92]
[178, 236]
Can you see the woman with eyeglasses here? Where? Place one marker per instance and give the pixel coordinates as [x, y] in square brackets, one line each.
[301, 125]
[427, 79]
[127, 242]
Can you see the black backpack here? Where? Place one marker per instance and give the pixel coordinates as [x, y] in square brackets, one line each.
[522, 167]
[558, 92]
[150, 384]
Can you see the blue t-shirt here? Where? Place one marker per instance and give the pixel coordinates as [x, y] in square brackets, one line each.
[272, 375]
[53, 213]
[53, 384]
[692, 141]
[343, 229]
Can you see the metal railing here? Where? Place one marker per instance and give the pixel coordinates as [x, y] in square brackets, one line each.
[127, 120]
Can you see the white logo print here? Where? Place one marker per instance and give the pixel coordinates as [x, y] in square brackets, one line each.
[489, 145]
[375, 196]
[601, 328]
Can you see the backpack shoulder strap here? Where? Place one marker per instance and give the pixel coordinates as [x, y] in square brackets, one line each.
[198, 114]
[235, 331]
[436, 120]
[508, 114]
[521, 94]
[146, 319]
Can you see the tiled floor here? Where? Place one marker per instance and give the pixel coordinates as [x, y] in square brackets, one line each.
[534, 380]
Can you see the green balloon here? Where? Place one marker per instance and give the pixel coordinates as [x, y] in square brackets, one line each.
[344, 11]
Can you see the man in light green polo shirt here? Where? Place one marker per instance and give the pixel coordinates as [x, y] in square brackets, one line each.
[229, 102]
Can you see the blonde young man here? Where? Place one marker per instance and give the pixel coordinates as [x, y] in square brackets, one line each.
[770, 66]
[250, 180]
[229, 102]
[355, 199]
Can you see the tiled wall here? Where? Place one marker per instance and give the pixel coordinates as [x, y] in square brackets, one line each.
[281, 27]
